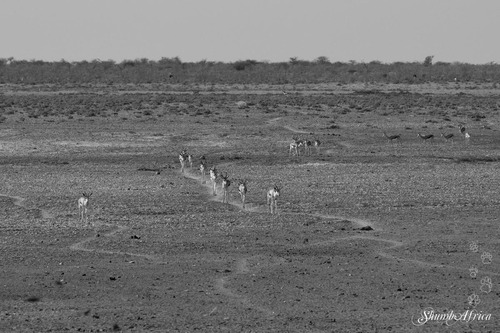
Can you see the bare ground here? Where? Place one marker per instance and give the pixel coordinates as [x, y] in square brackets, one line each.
[369, 233]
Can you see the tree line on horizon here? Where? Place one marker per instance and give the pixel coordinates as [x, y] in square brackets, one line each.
[294, 71]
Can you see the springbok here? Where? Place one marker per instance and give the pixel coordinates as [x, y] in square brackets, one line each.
[225, 187]
[242, 189]
[83, 204]
[317, 143]
[213, 179]
[182, 158]
[272, 198]
[425, 137]
[203, 170]
[294, 146]
[391, 138]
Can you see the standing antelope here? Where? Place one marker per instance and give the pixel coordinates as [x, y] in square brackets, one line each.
[317, 143]
[294, 147]
[307, 147]
[300, 144]
[467, 137]
[464, 132]
[83, 204]
[242, 189]
[182, 158]
[213, 179]
[462, 129]
[272, 198]
[225, 186]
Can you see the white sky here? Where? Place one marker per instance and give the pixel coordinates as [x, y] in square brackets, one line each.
[231, 30]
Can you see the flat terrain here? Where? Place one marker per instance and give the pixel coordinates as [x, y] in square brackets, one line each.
[369, 232]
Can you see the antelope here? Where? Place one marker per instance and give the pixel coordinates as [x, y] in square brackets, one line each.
[203, 169]
[294, 146]
[392, 137]
[272, 198]
[242, 189]
[447, 136]
[300, 143]
[462, 129]
[317, 143]
[83, 204]
[182, 158]
[425, 137]
[225, 186]
[213, 178]
[307, 147]
[467, 137]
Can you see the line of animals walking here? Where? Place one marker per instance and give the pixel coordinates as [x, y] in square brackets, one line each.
[215, 176]
[295, 148]
[273, 193]
[426, 137]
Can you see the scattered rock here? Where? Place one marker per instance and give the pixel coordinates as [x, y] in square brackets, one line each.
[33, 299]
[366, 228]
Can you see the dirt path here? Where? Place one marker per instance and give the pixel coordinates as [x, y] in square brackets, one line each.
[18, 201]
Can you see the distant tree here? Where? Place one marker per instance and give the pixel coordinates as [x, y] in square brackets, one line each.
[322, 60]
[428, 61]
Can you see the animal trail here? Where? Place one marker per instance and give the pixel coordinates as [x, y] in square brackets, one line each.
[19, 201]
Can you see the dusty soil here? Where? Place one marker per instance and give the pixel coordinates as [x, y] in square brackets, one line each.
[368, 234]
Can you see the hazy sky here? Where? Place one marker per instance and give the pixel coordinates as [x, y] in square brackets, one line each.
[231, 30]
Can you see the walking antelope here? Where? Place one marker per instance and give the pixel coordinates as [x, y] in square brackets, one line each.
[242, 189]
[182, 158]
[425, 137]
[272, 198]
[317, 143]
[203, 169]
[83, 204]
[213, 179]
[225, 187]
[447, 136]
[392, 137]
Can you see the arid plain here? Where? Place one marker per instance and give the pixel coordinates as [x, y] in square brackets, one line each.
[369, 232]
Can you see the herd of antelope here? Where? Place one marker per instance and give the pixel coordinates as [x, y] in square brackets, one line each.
[273, 193]
[215, 176]
[427, 137]
[297, 144]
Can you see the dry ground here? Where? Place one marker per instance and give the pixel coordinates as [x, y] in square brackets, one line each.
[164, 255]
